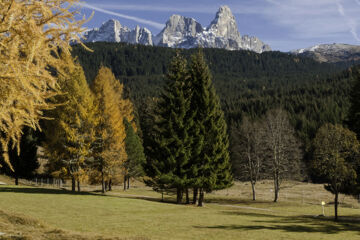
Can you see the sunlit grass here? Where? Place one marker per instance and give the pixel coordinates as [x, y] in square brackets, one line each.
[228, 214]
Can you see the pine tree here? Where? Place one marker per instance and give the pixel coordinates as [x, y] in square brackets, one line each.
[112, 108]
[170, 148]
[135, 155]
[70, 133]
[210, 166]
[31, 33]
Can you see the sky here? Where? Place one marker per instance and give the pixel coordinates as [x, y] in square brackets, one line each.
[283, 24]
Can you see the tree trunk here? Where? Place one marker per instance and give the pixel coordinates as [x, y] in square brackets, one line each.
[253, 191]
[106, 185]
[201, 198]
[187, 196]
[78, 185]
[178, 195]
[16, 180]
[110, 184]
[128, 183]
[103, 190]
[73, 184]
[195, 195]
[125, 182]
[276, 188]
[336, 205]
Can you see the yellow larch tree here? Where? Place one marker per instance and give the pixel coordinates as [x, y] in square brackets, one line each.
[112, 109]
[69, 136]
[32, 33]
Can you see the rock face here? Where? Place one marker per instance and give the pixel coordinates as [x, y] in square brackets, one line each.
[224, 25]
[331, 52]
[112, 31]
[178, 29]
[222, 32]
[183, 32]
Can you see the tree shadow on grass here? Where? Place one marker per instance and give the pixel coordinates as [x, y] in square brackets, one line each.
[296, 224]
[42, 191]
[251, 214]
[220, 200]
[37, 190]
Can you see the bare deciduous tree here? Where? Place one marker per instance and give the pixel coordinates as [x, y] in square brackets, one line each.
[250, 151]
[282, 153]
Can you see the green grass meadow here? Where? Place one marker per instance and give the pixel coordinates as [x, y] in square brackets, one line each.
[42, 213]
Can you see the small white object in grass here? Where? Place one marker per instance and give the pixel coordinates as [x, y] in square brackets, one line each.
[1, 233]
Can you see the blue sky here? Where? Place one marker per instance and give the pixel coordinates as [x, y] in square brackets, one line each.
[284, 24]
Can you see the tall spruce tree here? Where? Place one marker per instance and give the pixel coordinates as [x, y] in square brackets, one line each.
[135, 155]
[210, 165]
[170, 147]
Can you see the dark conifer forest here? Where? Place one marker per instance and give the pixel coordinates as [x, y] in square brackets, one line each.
[248, 83]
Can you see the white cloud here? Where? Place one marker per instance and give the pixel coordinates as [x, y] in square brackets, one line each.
[349, 20]
[136, 19]
[309, 19]
[154, 8]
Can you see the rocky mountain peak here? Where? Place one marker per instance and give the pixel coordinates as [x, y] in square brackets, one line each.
[177, 28]
[112, 31]
[224, 24]
[183, 32]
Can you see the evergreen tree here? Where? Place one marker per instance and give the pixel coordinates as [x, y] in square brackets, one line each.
[135, 155]
[69, 135]
[170, 147]
[210, 166]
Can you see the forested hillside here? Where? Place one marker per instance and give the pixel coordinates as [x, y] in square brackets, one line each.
[247, 83]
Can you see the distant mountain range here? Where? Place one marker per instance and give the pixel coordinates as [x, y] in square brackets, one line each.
[182, 32]
[331, 52]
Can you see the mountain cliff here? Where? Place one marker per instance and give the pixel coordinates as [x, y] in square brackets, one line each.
[183, 32]
[112, 31]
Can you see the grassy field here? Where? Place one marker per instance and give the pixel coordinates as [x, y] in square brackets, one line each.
[40, 213]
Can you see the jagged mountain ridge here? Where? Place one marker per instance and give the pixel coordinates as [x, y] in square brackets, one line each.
[331, 52]
[113, 31]
[183, 32]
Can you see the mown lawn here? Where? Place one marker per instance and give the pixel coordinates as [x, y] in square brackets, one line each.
[123, 215]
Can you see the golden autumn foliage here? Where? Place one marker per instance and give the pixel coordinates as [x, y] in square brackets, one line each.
[70, 135]
[112, 108]
[31, 34]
